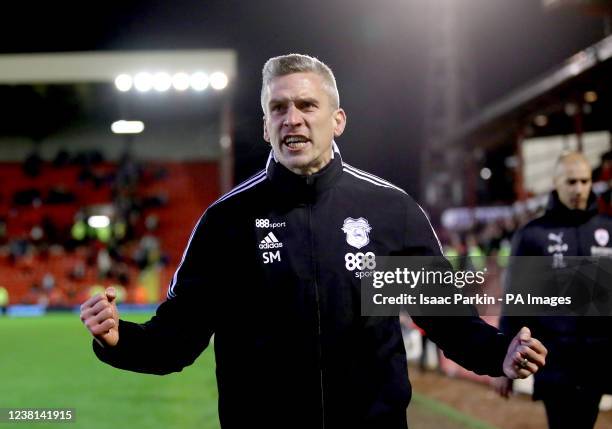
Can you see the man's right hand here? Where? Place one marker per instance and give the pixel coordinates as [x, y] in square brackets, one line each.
[100, 316]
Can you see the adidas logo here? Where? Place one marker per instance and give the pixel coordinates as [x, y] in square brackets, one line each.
[270, 242]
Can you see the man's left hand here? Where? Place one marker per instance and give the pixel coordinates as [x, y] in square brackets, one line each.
[526, 355]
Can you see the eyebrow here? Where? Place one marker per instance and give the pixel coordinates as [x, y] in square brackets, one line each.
[312, 100]
[277, 100]
[308, 100]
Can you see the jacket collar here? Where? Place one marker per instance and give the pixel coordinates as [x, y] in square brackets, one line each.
[557, 209]
[304, 189]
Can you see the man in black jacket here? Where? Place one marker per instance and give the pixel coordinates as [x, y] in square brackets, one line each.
[287, 248]
[578, 367]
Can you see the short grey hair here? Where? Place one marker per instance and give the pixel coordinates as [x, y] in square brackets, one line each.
[298, 63]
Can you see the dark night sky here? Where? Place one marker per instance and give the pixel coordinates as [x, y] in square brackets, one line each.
[378, 50]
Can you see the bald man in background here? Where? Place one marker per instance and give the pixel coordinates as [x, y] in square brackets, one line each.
[579, 364]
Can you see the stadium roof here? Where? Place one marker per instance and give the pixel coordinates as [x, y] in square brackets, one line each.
[588, 70]
[76, 67]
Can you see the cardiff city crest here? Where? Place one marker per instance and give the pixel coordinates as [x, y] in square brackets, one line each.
[357, 231]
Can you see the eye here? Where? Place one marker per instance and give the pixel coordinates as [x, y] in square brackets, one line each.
[572, 182]
[307, 105]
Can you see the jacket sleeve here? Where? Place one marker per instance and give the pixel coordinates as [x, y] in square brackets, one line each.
[183, 324]
[466, 339]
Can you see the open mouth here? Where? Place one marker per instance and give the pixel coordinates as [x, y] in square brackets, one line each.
[295, 142]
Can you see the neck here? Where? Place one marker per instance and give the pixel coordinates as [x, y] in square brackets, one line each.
[310, 170]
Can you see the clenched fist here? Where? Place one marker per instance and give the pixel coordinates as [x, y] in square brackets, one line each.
[526, 355]
[99, 314]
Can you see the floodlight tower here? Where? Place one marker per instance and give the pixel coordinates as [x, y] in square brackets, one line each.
[450, 98]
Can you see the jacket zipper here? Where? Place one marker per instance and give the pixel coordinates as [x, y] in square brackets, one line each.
[316, 287]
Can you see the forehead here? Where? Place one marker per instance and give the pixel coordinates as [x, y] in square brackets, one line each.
[296, 86]
[575, 169]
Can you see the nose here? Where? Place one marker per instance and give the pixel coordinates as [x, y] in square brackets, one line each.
[580, 191]
[293, 117]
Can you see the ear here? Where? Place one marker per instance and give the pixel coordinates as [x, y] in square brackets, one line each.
[266, 136]
[339, 122]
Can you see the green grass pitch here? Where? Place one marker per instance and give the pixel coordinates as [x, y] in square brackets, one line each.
[47, 362]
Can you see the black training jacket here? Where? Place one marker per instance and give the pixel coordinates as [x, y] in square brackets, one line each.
[266, 271]
[579, 347]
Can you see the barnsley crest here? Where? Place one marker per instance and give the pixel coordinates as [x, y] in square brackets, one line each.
[602, 236]
[357, 231]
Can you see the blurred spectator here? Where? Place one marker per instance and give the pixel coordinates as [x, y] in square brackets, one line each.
[119, 230]
[48, 282]
[78, 271]
[104, 233]
[104, 264]
[129, 171]
[36, 234]
[32, 165]
[2, 230]
[603, 173]
[18, 248]
[62, 158]
[27, 197]
[509, 226]
[79, 229]
[4, 299]
[455, 252]
[121, 272]
[147, 252]
[477, 259]
[503, 254]
[151, 222]
[50, 230]
[60, 195]
[87, 158]
[154, 201]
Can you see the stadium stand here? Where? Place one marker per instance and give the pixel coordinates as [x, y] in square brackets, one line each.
[152, 207]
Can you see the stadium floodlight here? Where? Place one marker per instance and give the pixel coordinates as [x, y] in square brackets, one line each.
[123, 82]
[225, 142]
[218, 80]
[485, 173]
[180, 81]
[143, 81]
[570, 109]
[199, 81]
[590, 96]
[540, 120]
[127, 127]
[98, 221]
[162, 81]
